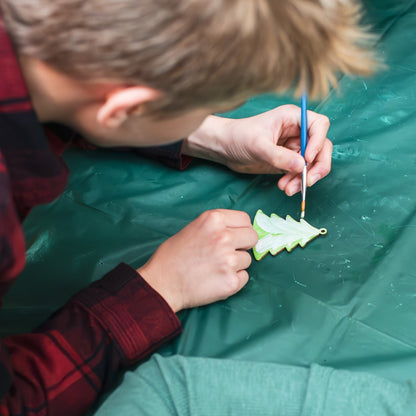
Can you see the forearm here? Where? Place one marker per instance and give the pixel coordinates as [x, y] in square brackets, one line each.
[50, 373]
[67, 362]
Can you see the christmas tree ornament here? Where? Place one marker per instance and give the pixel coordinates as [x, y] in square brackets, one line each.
[276, 234]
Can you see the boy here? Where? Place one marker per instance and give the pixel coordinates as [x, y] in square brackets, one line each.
[149, 73]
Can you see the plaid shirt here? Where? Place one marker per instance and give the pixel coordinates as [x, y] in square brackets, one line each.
[62, 366]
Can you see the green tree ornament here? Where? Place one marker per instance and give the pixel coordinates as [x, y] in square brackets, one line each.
[276, 234]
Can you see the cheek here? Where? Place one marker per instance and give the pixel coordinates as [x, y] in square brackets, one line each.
[180, 128]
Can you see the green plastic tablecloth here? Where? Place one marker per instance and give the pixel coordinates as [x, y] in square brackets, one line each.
[347, 300]
[195, 386]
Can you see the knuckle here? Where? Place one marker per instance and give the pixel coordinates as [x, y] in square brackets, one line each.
[244, 277]
[230, 262]
[289, 107]
[224, 237]
[323, 173]
[245, 217]
[232, 284]
[212, 219]
[325, 120]
[326, 170]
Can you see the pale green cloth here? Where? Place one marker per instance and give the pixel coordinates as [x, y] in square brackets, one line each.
[214, 387]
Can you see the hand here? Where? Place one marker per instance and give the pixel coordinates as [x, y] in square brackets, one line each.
[266, 143]
[204, 262]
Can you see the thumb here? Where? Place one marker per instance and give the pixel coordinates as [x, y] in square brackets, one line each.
[283, 158]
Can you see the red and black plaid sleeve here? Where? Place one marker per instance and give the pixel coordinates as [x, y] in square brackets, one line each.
[62, 366]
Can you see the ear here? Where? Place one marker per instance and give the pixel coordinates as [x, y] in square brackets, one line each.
[122, 102]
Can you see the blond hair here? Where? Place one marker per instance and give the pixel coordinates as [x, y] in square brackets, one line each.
[199, 53]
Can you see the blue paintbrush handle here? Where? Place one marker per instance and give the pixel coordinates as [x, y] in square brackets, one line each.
[303, 142]
[303, 125]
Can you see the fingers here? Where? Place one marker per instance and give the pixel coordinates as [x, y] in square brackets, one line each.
[318, 126]
[230, 235]
[318, 151]
[243, 238]
[234, 238]
[321, 165]
[284, 152]
[242, 277]
[289, 117]
[244, 260]
[238, 280]
[232, 228]
[204, 262]
[281, 157]
[291, 183]
[220, 218]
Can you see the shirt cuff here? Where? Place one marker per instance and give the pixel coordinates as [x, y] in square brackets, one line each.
[170, 155]
[135, 316]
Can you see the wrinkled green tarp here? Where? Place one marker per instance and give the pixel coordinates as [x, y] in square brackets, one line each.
[189, 386]
[347, 300]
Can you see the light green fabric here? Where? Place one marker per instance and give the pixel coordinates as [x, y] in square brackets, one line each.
[189, 386]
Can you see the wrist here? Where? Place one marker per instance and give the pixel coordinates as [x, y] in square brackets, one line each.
[157, 284]
[207, 141]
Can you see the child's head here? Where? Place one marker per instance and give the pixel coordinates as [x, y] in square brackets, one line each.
[197, 53]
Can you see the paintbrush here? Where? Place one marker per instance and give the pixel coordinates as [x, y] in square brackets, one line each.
[303, 143]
